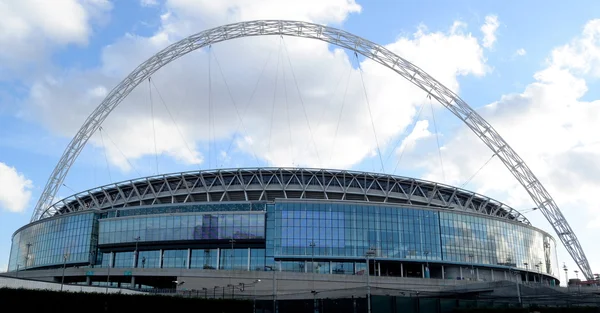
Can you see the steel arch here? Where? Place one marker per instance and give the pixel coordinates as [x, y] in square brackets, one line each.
[343, 39]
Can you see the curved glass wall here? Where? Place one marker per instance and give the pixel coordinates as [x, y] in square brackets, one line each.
[193, 226]
[51, 241]
[329, 230]
[303, 236]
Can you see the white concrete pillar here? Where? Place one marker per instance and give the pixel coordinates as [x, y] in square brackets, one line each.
[218, 259]
[461, 275]
[492, 271]
[378, 269]
[401, 270]
[423, 270]
[249, 254]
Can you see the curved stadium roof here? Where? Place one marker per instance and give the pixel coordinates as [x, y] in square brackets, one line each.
[268, 184]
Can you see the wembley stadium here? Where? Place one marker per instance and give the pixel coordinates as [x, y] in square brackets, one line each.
[237, 224]
[291, 232]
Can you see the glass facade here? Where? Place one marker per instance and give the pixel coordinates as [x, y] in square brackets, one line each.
[47, 243]
[327, 230]
[300, 236]
[247, 225]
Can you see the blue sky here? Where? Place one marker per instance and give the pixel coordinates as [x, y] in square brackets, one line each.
[535, 79]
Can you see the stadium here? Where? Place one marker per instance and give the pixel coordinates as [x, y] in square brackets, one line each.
[280, 219]
[290, 232]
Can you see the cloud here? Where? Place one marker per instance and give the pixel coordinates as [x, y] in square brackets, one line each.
[521, 52]
[148, 3]
[45, 24]
[553, 129]
[489, 30]
[320, 120]
[15, 189]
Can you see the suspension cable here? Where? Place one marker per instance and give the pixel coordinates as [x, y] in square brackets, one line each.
[162, 100]
[233, 102]
[287, 112]
[340, 115]
[437, 139]
[209, 104]
[153, 127]
[330, 101]
[274, 98]
[123, 154]
[301, 100]
[414, 124]
[105, 156]
[369, 108]
[241, 118]
[477, 172]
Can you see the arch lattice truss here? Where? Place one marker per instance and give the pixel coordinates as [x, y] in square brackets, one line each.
[343, 39]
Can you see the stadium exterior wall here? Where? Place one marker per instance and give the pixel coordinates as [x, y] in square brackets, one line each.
[289, 232]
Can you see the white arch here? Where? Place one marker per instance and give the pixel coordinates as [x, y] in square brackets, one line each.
[343, 39]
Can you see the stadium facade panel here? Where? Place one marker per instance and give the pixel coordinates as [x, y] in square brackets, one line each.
[293, 220]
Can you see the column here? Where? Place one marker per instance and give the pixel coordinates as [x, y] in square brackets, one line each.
[492, 274]
[160, 258]
[88, 280]
[461, 275]
[477, 273]
[249, 254]
[189, 258]
[505, 275]
[132, 281]
[423, 270]
[443, 274]
[218, 259]
[401, 270]
[378, 268]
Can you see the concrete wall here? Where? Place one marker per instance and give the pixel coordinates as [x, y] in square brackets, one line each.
[8, 282]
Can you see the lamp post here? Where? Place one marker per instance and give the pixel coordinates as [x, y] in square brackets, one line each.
[369, 253]
[62, 281]
[471, 257]
[254, 296]
[578, 283]
[312, 269]
[566, 274]
[232, 241]
[108, 273]
[135, 256]
[526, 272]
[540, 268]
[515, 272]
[427, 264]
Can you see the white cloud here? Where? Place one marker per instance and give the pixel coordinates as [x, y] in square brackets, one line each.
[489, 29]
[148, 3]
[420, 131]
[15, 189]
[317, 68]
[44, 24]
[521, 52]
[553, 130]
